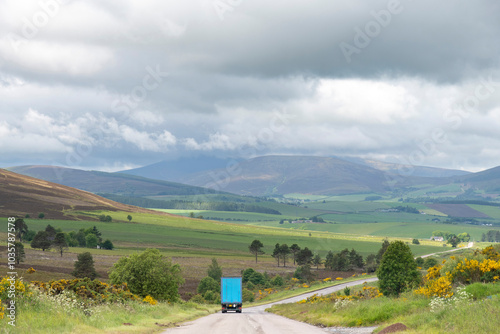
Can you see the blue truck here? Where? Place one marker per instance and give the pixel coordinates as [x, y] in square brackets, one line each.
[231, 294]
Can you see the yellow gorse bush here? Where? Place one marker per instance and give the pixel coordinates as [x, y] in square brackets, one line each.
[483, 266]
[150, 300]
[86, 289]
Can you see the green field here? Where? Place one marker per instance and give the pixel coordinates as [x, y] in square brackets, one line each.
[492, 211]
[192, 237]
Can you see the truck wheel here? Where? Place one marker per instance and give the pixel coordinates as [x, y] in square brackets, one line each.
[239, 311]
[224, 311]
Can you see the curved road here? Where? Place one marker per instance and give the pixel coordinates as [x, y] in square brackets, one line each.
[256, 320]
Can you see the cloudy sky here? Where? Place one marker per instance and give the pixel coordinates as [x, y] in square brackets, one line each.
[119, 84]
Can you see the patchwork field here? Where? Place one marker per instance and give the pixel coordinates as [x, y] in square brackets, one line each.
[458, 210]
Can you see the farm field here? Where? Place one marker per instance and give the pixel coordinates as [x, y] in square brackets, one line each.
[458, 210]
[193, 237]
[389, 229]
[492, 211]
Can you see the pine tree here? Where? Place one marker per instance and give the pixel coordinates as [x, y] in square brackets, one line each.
[84, 266]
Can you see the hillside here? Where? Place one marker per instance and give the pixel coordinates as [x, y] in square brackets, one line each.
[487, 180]
[112, 183]
[416, 171]
[21, 195]
[293, 174]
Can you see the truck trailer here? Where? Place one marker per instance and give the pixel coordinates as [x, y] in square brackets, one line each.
[231, 294]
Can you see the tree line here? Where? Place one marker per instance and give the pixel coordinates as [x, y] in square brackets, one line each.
[491, 236]
[190, 205]
[344, 260]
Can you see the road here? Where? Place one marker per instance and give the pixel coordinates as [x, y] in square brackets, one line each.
[254, 320]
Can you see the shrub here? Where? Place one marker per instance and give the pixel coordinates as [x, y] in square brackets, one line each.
[277, 281]
[208, 284]
[257, 278]
[198, 299]
[303, 273]
[149, 273]
[245, 275]
[398, 270]
[107, 244]
[248, 296]
[429, 262]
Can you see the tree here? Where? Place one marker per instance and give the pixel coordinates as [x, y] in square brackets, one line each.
[208, 284]
[256, 248]
[398, 269]
[215, 271]
[149, 273]
[453, 240]
[464, 237]
[304, 257]
[19, 252]
[355, 259]
[41, 240]
[41, 215]
[285, 252]
[277, 253]
[382, 250]
[107, 244]
[294, 249]
[21, 228]
[84, 266]
[341, 260]
[51, 232]
[371, 263]
[91, 240]
[29, 235]
[317, 261]
[415, 241]
[60, 242]
[80, 237]
[329, 260]
[129, 217]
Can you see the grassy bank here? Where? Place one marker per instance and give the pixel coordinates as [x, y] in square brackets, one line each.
[481, 315]
[41, 314]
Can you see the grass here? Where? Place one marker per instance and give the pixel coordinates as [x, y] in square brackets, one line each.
[285, 294]
[196, 236]
[481, 316]
[130, 317]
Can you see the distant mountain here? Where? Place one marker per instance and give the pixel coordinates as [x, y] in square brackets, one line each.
[179, 169]
[111, 183]
[293, 174]
[21, 195]
[416, 171]
[487, 180]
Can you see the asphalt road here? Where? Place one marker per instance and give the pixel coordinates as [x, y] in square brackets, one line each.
[254, 320]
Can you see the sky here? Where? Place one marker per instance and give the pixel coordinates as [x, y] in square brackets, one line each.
[112, 85]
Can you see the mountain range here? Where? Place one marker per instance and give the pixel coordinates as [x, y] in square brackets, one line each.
[268, 175]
